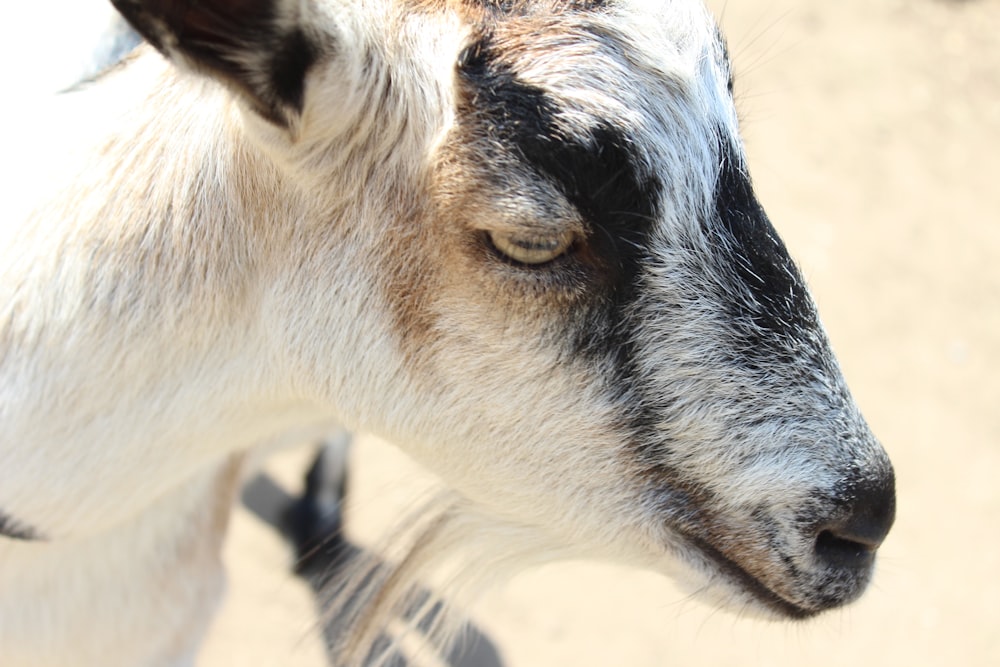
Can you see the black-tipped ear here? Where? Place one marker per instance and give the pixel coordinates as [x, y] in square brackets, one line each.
[260, 48]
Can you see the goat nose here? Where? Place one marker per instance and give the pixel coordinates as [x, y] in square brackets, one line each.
[851, 539]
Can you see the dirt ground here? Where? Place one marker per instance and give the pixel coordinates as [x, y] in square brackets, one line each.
[873, 129]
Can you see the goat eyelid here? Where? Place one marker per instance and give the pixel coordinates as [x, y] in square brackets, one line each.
[532, 249]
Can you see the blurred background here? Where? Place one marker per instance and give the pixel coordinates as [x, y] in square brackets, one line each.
[873, 130]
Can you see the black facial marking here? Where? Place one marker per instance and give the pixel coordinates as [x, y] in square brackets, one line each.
[15, 530]
[598, 174]
[774, 299]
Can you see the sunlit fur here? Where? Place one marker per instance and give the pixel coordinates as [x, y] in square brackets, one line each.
[191, 268]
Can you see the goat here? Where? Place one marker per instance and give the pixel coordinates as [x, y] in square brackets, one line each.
[516, 237]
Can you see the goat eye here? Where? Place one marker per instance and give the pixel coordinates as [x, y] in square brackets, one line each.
[532, 249]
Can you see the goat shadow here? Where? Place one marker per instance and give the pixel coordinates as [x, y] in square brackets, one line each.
[271, 504]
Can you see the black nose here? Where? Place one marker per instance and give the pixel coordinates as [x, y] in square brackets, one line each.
[850, 539]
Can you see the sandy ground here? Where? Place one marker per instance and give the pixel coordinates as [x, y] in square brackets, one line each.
[873, 130]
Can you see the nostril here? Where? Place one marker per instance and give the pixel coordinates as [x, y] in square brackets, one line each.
[838, 551]
[852, 539]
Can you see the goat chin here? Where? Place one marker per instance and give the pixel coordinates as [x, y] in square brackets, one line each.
[415, 588]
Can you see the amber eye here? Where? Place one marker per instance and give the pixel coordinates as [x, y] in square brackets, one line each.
[532, 248]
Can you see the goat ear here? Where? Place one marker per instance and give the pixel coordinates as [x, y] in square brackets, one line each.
[259, 48]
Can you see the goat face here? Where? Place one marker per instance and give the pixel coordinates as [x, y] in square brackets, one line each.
[595, 333]
[645, 356]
